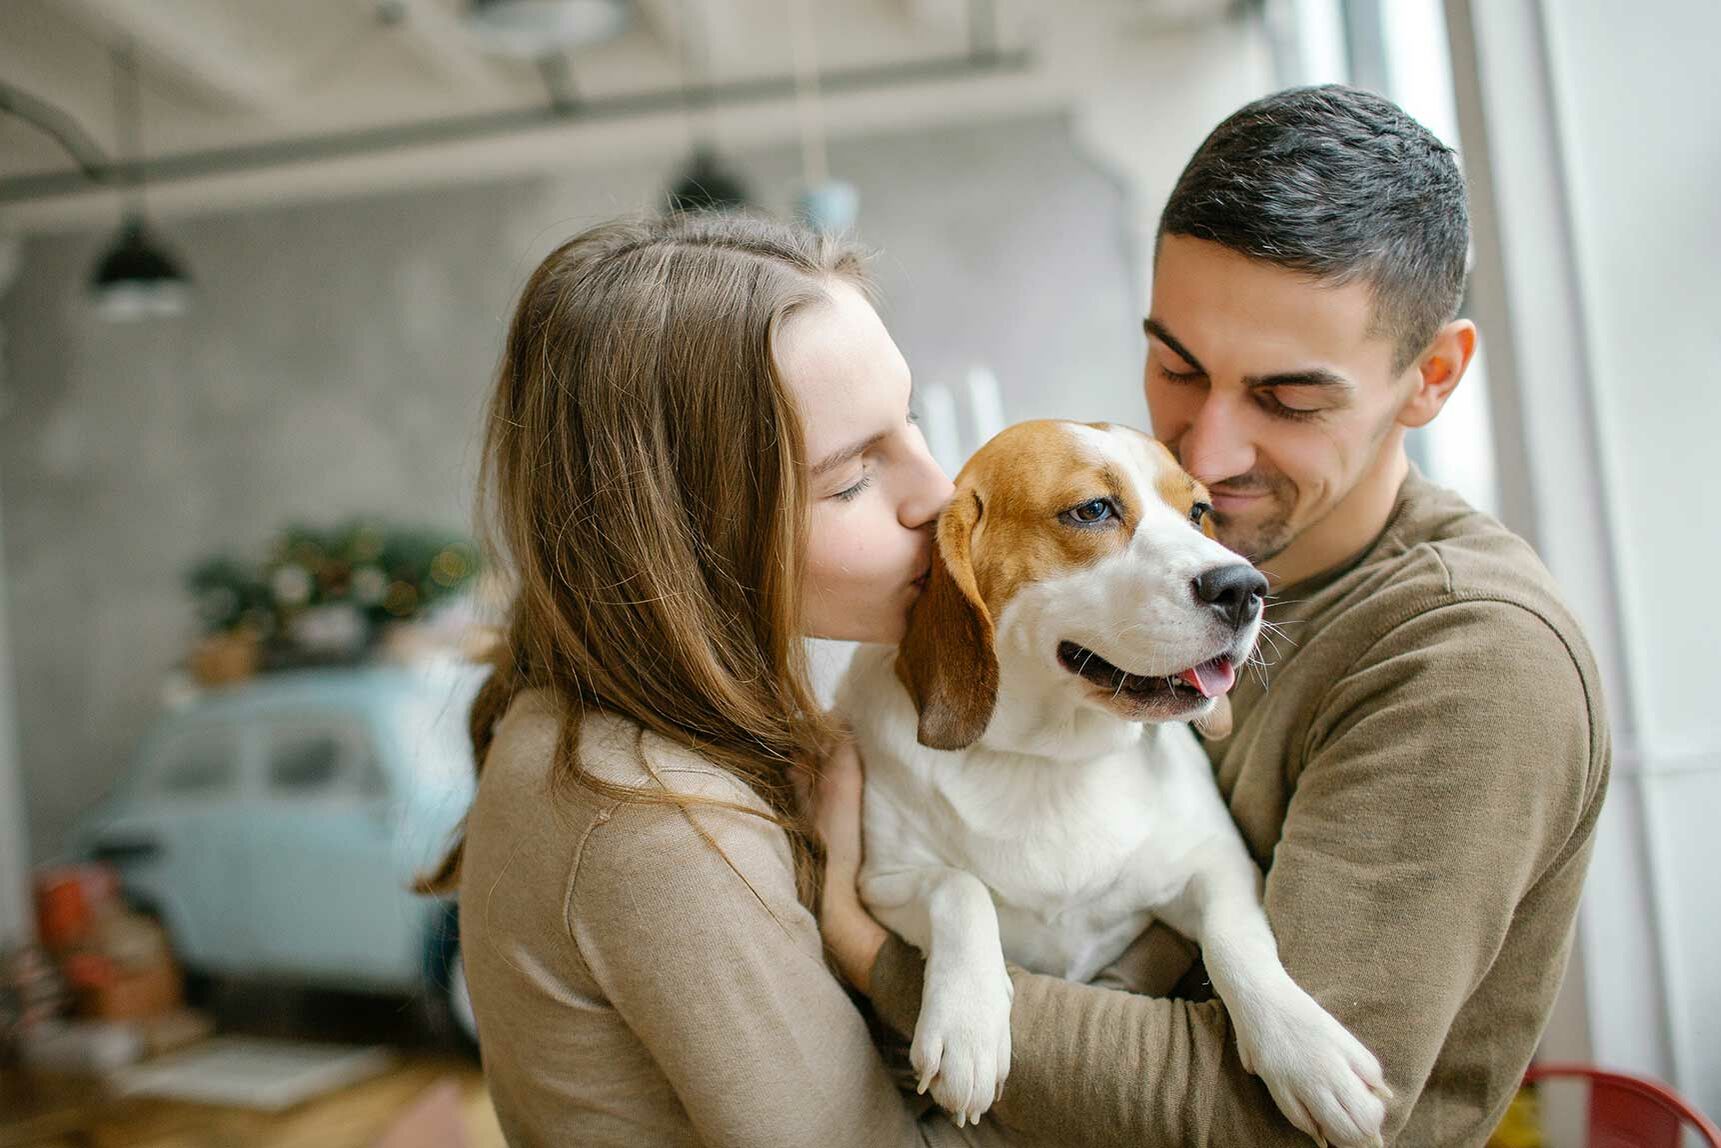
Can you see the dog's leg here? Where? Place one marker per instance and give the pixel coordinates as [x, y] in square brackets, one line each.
[1323, 1079]
[961, 1048]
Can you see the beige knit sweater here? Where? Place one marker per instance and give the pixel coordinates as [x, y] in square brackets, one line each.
[633, 987]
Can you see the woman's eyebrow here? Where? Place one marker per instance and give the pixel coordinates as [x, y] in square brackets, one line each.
[847, 454]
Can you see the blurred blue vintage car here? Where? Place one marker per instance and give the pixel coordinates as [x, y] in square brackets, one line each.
[275, 828]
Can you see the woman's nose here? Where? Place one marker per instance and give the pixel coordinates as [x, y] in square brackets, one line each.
[931, 488]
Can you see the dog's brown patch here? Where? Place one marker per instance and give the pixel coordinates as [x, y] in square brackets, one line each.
[946, 660]
[1027, 476]
[1179, 488]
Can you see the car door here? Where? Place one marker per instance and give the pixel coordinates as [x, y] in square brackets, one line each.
[175, 839]
[329, 902]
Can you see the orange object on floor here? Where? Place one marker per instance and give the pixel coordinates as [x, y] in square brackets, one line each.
[1631, 1111]
[69, 898]
[62, 915]
[126, 995]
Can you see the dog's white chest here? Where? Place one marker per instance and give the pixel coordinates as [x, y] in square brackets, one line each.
[1075, 854]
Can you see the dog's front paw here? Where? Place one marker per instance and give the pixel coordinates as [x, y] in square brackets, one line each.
[961, 1047]
[1323, 1079]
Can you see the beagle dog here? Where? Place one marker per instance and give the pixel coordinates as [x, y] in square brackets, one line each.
[1033, 792]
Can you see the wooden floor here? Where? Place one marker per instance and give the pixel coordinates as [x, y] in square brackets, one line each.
[65, 1113]
[48, 1112]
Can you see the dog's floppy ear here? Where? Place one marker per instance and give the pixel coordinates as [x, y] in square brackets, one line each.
[946, 658]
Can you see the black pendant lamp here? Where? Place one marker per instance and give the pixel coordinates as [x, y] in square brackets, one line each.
[706, 183]
[137, 278]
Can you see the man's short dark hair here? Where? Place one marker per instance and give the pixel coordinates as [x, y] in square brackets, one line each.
[1342, 185]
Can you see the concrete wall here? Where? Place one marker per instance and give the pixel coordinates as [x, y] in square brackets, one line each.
[338, 355]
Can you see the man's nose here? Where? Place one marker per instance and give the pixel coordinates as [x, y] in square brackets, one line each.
[1235, 592]
[1216, 447]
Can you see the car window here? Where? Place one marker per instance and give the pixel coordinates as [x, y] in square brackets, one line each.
[302, 764]
[310, 758]
[198, 762]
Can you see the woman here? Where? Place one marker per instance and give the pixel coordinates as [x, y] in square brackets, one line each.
[698, 453]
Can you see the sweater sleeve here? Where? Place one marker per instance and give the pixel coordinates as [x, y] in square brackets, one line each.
[697, 939]
[1445, 774]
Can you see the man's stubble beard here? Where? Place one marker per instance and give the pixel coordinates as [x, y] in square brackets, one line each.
[1261, 539]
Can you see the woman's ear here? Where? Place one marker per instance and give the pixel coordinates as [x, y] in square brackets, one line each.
[946, 659]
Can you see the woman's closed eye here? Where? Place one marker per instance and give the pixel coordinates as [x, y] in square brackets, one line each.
[849, 494]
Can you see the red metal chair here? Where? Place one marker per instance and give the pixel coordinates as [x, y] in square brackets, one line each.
[1631, 1111]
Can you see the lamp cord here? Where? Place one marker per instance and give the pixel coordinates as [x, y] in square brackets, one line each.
[128, 121]
[815, 166]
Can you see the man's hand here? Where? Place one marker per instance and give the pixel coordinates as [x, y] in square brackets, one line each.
[851, 936]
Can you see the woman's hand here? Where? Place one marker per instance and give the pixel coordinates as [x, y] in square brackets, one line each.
[851, 936]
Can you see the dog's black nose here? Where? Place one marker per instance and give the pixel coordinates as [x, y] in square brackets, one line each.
[1234, 591]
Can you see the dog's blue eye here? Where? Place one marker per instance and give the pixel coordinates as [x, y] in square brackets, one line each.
[1089, 513]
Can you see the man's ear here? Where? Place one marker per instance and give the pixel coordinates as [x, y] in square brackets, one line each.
[1438, 371]
[946, 659]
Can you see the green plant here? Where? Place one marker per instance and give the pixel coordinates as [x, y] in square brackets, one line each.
[383, 573]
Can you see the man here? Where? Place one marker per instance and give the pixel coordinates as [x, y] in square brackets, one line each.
[1423, 784]
[1420, 765]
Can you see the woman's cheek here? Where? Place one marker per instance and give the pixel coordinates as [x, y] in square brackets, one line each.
[836, 552]
[858, 570]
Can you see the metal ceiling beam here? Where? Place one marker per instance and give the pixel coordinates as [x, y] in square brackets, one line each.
[219, 161]
[53, 122]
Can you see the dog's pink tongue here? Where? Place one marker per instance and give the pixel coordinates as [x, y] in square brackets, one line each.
[1211, 678]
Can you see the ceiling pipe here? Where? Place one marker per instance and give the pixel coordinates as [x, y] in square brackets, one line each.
[168, 169]
[48, 119]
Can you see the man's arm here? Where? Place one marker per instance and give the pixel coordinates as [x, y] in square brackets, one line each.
[1447, 772]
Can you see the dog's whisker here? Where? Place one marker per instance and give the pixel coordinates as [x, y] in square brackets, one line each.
[1272, 631]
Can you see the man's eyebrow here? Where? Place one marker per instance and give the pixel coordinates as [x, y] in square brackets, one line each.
[1156, 330]
[847, 454]
[1313, 377]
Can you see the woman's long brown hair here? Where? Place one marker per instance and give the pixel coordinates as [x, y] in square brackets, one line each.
[642, 482]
